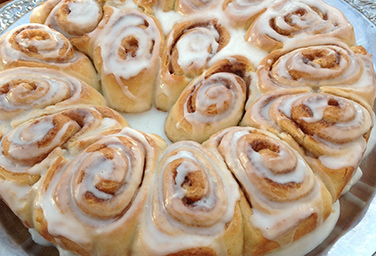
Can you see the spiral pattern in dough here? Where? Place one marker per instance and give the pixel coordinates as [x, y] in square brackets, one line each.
[75, 17]
[332, 130]
[281, 191]
[290, 21]
[242, 12]
[94, 201]
[125, 48]
[206, 106]
[192, 192]
[189, 47]
[37, 45]
[324, 65]
[35, 42]
[24, 89]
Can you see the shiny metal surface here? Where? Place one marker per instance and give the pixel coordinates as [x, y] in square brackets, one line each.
[355, 232]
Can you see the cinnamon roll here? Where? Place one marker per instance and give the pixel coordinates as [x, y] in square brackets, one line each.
[241, 13]
[24, 89]
[282, 198]
[125, 49]
[192, 208]
[328, 65]
[189, 47]
[32, 147]
[69, 17]
[291, 21]
[331, 132]
[91, 204]
[36, 45]
[211, 102]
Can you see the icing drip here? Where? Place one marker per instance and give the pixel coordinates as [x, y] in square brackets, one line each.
[28, 88]
[265, 166]
[53, 47]
[298, 20]
[136, 38]
[110, 174]
[198, 46]
[75, 17]
[174, 209]
[223, 91]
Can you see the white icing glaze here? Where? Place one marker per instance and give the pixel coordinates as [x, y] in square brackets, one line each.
[127, 29]
[38, 239]
[344, 135]
[36, 87]
[50, 47]
[238, 46]
[239, 12]
[357, 175]
[311, 240]
[168, 19]
[161, 233]
[74, 17]
[70, 220]
[246, 164]
[198, 46]
[372, 139]
[24, 142]
[222, 90]
[301, 26]
[83, 13]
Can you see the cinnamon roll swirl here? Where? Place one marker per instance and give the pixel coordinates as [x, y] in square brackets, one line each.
[91, 204]
[192, 207]
[331, 132]
[69, 17]
[282, 198]
[32, 147]
[24, 89]
[291, 21]
[211, 102]
[328, 65]
[125, 49]
[36, 45]
[241, 13]
[189, 47]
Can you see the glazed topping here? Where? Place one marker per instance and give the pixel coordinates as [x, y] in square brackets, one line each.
[75, 17]
[294, 20]
[316, 66]
[101, 188]
[328, 117]
[215, 98]
[136, 38]
[31, 142]
[192, 192]
[279, 184]
[191, 45]
[327, 126]
[240, 12]
[36, 42]
[188, 187]
[107, 176]
[27, 88]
